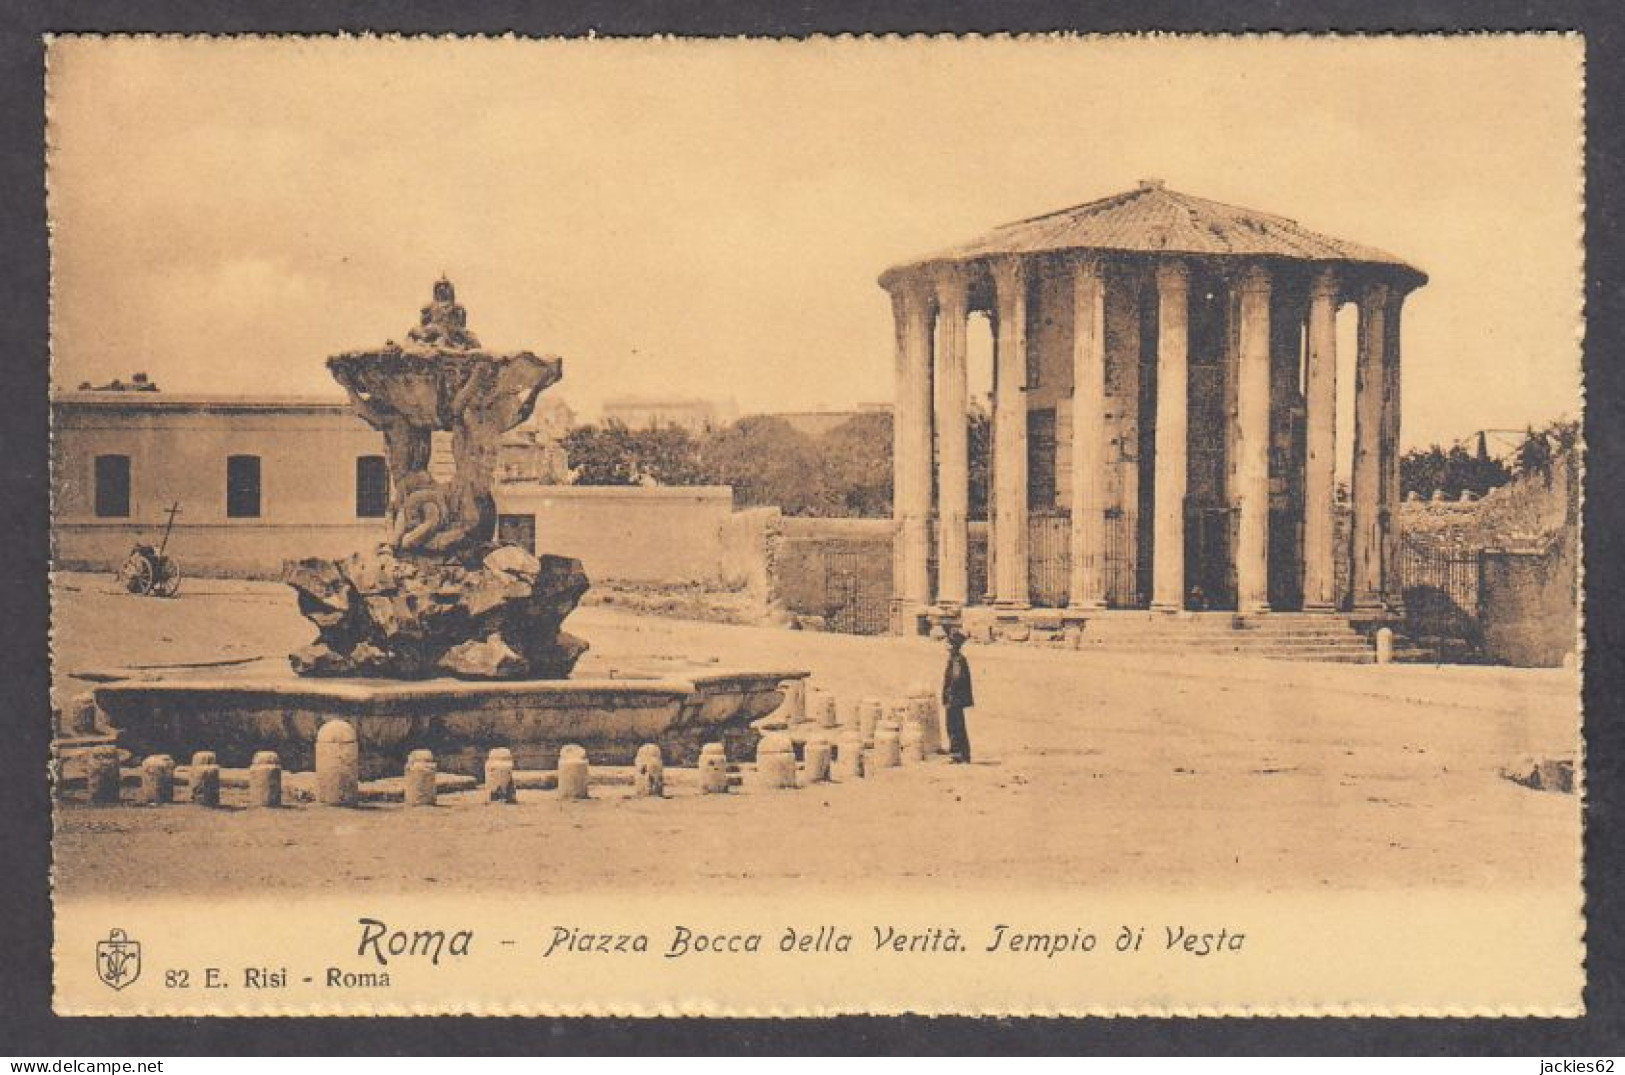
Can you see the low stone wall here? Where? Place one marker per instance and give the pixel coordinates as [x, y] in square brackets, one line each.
[641, 535]
[836, 574]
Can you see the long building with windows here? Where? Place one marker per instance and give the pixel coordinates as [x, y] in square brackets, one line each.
[263, 479]
[1165, 416]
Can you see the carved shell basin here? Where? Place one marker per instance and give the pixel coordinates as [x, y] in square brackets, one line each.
[425, 386]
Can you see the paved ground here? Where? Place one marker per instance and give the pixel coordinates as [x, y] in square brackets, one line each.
[1093, 771]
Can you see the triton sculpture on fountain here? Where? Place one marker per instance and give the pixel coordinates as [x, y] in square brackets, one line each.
[442, 597]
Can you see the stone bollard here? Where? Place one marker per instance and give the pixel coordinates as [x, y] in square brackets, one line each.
[158, 780]
[794, 707]
[912, 743]
[888, 746]
[84, 717]
[776, 761]
[205, 779]
[713, 769]
[1385, 645]
[573, 772]
[418, 787]
[827, 713]
[338, 765]
[649, 772]
[102, 774]
[265, 780]
[815, 756]
[849, 757]
[499, 785]
[930, 720]
[869, 714]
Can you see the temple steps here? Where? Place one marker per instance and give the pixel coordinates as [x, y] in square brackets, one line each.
[1273, 636]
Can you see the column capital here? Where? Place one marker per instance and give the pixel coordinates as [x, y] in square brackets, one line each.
[950, 283]
[1008, 271]
[1087, 263]
[1375, 293]
[1254, 280]
[1172, 273]
[1325, 285]
[909, 289]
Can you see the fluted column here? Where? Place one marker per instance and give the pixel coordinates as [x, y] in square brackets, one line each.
[1087, 584]
[1168, 526]
[953, 439]
[1253, 444]
[911, 448]
[1320, 469]
[1010, 436]
[1388, 514]
[1365, 575]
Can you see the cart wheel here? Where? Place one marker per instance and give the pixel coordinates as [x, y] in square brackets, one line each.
[169, 578]
[137, 574]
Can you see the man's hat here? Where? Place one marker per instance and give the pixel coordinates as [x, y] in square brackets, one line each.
[956, 636]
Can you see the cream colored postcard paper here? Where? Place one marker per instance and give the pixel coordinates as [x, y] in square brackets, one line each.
[994, 526]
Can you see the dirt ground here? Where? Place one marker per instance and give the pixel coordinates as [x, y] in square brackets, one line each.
[1092, 770]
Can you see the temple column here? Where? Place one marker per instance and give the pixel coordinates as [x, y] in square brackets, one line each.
[1388, 514]
[953, 440]
[1087, 583]
[911, 452]
[1365, 574]
[1010, 436]
[1320, 471]
[1168, 524]
[1253, 444]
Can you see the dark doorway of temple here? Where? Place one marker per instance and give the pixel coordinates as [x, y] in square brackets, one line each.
[1209, 581]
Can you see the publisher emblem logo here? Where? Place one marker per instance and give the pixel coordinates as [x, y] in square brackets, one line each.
[118, 960]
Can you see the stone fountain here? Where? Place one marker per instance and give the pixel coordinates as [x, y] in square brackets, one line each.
[441, 598]
[442, 638]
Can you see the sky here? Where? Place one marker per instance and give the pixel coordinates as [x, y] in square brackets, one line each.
[699, 218]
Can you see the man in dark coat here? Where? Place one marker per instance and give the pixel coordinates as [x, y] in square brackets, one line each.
[957, 696]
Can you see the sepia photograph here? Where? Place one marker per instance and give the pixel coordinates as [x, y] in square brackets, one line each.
[1039, 525]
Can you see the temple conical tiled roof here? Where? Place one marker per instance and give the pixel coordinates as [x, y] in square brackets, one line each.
[1151, 219]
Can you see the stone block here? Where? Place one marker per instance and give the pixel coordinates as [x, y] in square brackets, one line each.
[574, 774]
[848, 762]
[816, 757]
[1385, 645]
[713, 769]
[649, 772]
[912, 743]
[338, 765]
[499, 781]
[158, 780]
[418, 788]
[826, 714]
[888, 748]
[203, 779]
[102, 774]
[265, 780]
[776, 762]
[869, 715]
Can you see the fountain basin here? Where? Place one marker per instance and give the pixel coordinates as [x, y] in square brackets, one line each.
[459, 720]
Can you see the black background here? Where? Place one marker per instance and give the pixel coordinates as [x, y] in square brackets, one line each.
[27, 1026]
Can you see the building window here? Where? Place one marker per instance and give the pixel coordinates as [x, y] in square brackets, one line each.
[113, 486]
[371, 487]
[242, 487]
[517, 530]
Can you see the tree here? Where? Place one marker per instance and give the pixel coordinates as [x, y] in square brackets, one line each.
[769, 462]
[601, 455]
[615, 455]
[1426, 471]
[857, 458]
